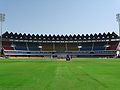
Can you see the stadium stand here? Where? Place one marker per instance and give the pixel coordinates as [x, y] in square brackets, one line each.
[99, 45]
[7, 45]
[113, 45]
[72, 46]
[17, 44]
[47, 47]
[20, 45]
[86, 46]
[33, 46]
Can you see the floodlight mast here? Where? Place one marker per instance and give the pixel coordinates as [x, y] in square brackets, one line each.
[2, 19]
[118, 20]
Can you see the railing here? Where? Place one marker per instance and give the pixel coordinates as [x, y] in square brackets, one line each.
[49, 53]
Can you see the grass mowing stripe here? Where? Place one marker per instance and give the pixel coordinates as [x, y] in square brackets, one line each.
[83, 76]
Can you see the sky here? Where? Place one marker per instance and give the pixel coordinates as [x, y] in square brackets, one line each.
[60, 16]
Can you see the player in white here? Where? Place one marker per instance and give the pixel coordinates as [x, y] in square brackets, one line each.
[117, 53]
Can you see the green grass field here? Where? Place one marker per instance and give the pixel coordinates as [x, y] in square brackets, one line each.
[58, 74]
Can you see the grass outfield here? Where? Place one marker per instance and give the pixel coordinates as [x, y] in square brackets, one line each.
[58, 74]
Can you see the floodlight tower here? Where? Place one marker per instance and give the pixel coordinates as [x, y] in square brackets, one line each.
[2, 19]
[118, 20]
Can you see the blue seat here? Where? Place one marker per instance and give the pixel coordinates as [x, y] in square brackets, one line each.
[86, 46]
[20, 45]
[99, 45]
[33, 46]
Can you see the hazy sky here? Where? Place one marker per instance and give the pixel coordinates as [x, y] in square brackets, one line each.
[60, 16]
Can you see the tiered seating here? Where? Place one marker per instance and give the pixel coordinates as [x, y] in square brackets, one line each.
[60, 44]
[113, 45]
[86, 46]
[60, 47]
[72, 47]
[7, 45]
[20, 45]
[99, 45]
[47, 47]
[33, 46]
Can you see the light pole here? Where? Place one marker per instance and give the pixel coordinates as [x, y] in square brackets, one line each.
[118, 20]
[2, 19]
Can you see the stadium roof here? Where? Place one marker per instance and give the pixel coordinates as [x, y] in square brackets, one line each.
[100, 36]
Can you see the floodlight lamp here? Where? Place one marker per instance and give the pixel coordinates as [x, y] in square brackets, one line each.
[118, 17]
[13, 45]
[107, 45]
[2, 17]
[39, 46]
[79, 46]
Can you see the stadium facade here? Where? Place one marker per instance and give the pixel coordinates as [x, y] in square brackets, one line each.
[31, 45]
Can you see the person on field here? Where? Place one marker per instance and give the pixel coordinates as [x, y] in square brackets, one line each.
[2, 52]
[117, 53]
[67, 58]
